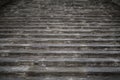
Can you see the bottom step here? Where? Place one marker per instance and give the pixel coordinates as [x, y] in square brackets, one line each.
[63, 78]
[37, 70]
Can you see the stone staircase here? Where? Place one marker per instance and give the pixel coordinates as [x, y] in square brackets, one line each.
[59, 40]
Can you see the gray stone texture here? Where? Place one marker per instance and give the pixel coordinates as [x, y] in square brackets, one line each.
[2, 2]
[116, 1]
[59, 40]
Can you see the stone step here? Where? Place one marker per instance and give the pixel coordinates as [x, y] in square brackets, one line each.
[59, 40]
[60, 19]
[82, 13]
[81, 26]
[36, 70]
[57, 53]
[63, 78]
[60, 23]
[61, 35]
[57, 30]
[60, 62]
[59, 45]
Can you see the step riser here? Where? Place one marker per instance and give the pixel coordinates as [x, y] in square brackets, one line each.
[62, 64]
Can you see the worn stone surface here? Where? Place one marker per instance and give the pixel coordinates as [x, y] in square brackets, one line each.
[59, 40]
[116, 1]
[2, 2]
